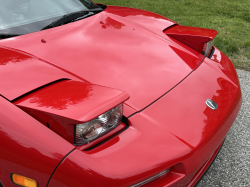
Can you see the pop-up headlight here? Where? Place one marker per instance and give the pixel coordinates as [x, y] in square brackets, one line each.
[207, 47]
[89, 131]
[199, 39]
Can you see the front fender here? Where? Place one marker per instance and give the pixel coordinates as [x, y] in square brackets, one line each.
[27, 147]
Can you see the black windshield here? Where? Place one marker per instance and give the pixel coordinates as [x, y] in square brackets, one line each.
[26, 16]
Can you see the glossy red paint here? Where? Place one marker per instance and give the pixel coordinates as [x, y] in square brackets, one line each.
[153, 55]
[147, 20]
[210, 83]
[191, 36]
[202, 170]
[170, 125]
[123, 161]
[128, 110]
[23, 73]
[28, 148]
[185, 153]
[224, 64]
[75, 100]
[63, 104]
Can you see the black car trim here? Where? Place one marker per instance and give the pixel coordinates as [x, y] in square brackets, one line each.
[211, 53]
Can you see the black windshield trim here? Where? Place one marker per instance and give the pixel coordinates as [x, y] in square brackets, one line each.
[4, 36]
[71, 17]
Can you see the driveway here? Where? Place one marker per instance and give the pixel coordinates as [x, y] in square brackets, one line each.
[232, 165]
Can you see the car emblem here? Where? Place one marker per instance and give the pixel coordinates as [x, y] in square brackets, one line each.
[211, 104]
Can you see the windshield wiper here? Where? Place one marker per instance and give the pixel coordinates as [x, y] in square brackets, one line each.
[71, 17]
[3, 36]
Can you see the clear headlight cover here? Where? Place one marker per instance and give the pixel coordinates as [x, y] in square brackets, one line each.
[89, 131]
[207, 47]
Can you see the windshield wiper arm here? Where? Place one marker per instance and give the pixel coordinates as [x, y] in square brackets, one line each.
[71, 17]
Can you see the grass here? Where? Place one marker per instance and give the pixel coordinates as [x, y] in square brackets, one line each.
[231, 18]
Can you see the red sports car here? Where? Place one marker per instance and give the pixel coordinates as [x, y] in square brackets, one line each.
[95, 95]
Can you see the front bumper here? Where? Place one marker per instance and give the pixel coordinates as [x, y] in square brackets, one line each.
[177, 131]
[198, 176]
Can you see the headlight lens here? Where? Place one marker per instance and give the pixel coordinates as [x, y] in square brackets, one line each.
[207, 47]
[89, 131]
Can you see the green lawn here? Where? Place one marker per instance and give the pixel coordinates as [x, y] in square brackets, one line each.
[231, 18]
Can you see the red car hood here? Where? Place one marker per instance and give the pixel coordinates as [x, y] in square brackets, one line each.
[112, 50]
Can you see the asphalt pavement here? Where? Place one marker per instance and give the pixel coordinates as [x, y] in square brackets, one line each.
[232, 165]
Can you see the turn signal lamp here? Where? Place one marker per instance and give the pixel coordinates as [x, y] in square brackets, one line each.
[23, 181]
[89, 131]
